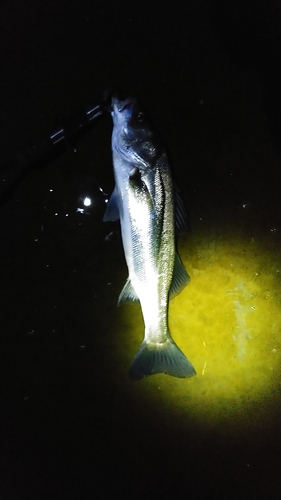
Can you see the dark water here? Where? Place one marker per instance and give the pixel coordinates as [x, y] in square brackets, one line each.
[72, 425]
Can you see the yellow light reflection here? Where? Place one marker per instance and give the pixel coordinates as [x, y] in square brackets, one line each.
[227, 321]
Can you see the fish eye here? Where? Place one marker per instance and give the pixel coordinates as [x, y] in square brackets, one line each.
[140, 116]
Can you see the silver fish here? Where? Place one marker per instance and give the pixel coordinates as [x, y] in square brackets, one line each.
[143, 199]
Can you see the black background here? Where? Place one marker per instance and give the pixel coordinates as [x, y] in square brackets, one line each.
[209, 74]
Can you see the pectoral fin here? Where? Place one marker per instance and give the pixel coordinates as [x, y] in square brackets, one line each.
[135, 179]
[139, 188]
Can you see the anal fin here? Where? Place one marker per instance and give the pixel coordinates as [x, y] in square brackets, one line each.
[128, 294]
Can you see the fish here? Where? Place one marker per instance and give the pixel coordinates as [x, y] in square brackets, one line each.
[144, 200]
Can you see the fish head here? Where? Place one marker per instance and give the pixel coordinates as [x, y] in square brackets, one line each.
[134, 138]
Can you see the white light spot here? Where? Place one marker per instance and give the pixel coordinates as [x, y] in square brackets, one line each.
[87, 201]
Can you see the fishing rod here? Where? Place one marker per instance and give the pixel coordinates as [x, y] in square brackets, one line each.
[40, 152]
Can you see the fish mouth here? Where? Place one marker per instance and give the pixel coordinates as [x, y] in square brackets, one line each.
[113, 102]
[110, 95]
[120, 105]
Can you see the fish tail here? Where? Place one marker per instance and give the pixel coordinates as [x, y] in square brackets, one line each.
[165, 357]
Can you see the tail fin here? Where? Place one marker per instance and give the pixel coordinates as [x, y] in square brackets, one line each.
[160, 358]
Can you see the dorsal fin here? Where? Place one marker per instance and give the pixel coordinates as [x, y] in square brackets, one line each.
[181, 218]
[180, 278]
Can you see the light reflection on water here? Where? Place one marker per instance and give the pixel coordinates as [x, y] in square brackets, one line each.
[227, 321]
